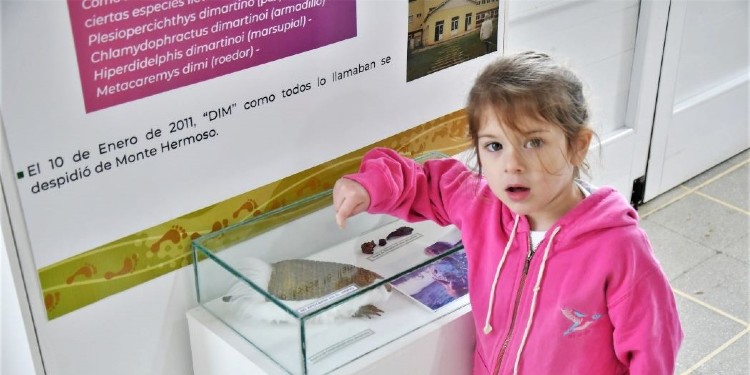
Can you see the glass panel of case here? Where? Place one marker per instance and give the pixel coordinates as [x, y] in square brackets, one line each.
[313, 297]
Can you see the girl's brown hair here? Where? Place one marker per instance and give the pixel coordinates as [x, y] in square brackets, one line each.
[524, 85]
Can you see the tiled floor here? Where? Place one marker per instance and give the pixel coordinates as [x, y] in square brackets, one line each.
[699, 231]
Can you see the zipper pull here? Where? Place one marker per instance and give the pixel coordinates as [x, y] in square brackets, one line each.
[528, 257]
[526, 264]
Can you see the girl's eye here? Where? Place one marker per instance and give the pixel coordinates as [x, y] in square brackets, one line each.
[533, 143]
[493, 146]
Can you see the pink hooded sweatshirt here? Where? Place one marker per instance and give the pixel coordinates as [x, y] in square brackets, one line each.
[592, 299]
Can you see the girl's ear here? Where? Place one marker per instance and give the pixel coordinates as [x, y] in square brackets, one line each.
[581, 146]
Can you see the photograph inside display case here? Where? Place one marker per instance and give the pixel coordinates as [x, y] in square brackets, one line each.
[314, 310]
[437, 284]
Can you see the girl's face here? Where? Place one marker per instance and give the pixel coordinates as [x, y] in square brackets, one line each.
[532, 170]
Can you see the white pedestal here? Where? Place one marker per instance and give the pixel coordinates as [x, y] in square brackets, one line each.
[443, 347]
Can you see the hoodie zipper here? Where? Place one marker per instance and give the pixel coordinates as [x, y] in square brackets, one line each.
[515, 307]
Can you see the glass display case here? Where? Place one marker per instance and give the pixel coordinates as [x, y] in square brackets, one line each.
[313, 297]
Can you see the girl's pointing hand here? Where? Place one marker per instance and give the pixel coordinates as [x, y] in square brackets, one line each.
[349, 199]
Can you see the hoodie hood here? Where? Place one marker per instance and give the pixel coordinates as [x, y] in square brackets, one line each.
[604, 209]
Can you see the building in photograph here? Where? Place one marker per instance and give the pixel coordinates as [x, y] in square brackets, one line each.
[435, 21]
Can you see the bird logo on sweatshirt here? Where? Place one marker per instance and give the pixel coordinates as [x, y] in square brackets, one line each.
[580, 321]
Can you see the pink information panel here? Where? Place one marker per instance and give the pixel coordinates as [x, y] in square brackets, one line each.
[130, 49]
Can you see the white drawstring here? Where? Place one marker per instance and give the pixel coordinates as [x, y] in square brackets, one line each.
[537, 286]
[487, 326]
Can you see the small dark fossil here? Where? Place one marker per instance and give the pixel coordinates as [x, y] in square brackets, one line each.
[403, 231]
[382, 242]
[368, 247]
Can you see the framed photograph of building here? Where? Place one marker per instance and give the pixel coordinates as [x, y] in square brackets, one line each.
[444, 33]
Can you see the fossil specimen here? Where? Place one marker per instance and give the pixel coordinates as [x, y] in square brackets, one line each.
[299, 283]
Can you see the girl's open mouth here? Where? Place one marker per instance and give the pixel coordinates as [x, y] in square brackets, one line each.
[517, 193]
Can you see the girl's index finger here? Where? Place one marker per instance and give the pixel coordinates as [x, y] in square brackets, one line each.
[341, 213]
[349, 207]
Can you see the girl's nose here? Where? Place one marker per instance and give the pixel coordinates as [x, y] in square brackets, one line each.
[513, 161]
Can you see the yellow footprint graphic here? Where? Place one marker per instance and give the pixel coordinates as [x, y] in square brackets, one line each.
[128, 266]
[51, 300]
[86, 271]
[250, 205]
[174, 235]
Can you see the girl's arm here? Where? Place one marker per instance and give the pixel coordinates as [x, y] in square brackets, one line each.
[389, 183]
[647, 333]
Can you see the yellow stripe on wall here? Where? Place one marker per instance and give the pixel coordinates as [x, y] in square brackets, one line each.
[129, 261]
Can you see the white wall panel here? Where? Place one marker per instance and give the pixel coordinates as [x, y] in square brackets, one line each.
[706, 132]
[609, 83]
[714, 46]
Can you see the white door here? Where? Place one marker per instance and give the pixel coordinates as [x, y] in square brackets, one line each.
[702, 109]
[616, 47]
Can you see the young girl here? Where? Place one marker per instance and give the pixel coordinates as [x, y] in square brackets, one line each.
[561, 278]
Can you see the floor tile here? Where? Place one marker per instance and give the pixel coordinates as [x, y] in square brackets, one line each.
[733, 360]
[704, 329]
[732, 188]
[740, 250]
[703, 221]
[717, 170]
[720, 281]
[676, 253]
[662, 200]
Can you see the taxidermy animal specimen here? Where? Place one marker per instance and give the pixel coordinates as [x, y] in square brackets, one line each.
[300, 282]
